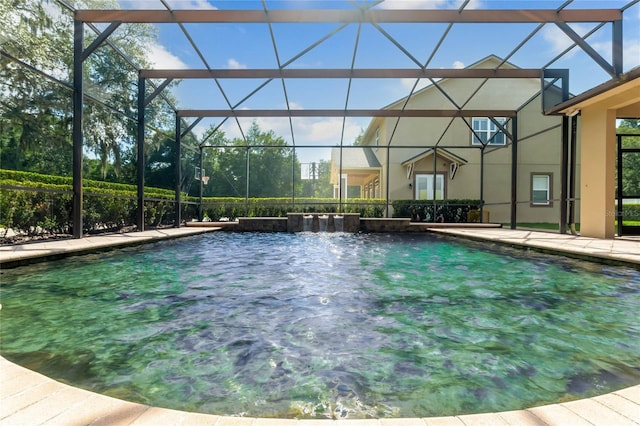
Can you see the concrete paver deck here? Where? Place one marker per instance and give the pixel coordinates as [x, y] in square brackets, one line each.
[29, 398]
[15, 254]
[614, 251]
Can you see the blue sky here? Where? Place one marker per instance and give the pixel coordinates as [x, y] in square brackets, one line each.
[250, 46]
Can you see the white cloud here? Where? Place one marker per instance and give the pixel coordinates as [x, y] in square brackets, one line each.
[140, 4]
[307, 130]
[235, 65]
[192, 4]
[161, 58]
[631, 53]
[413, 4]
[174, 4]
[428, 4]
[407, 84]
[558, 40]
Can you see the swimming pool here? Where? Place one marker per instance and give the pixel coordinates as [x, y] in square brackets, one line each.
[326, 325]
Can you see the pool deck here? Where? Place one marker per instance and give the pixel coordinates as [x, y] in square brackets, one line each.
[625, 250]
[17, 254]
[29, 398]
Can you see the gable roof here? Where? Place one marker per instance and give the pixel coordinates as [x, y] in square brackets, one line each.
[490, 62]
[361, 157]
[441, 152]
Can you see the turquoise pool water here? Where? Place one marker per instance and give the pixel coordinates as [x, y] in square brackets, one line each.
[326, 325]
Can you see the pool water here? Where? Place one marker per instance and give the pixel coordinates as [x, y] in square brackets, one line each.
[326, 325]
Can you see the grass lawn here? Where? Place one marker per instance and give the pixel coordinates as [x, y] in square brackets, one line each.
[554, 226]
[542, 226]
[630, 223]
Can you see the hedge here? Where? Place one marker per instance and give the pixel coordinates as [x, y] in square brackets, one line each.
[631, 212]
[33, 203]
[232, 208]
[450, 211]
[37, 180]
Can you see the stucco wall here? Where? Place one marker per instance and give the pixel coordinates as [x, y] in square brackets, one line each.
[539, 148]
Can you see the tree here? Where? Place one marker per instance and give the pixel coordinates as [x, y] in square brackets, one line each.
[35, 90]
[34, 112]
[321, 186]
[630, 160]
[272, 165]
[271, 169]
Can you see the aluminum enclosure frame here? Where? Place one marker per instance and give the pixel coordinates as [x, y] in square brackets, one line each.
[361, 15]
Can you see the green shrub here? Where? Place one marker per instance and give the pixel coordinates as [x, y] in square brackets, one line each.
[450, 211]
[631, 212]
[232, 208]
[33, 203]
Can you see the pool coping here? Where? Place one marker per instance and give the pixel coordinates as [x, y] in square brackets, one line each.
[617, 251]
[27, 397]
[42, 251]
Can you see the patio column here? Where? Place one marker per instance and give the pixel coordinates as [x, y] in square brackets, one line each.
[598, 170]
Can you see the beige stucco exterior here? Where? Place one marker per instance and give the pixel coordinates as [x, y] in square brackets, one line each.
[539, 146]
[598, 113]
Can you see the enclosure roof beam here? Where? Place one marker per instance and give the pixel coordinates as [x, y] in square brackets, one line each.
[190, 128]
[344, 113]
[610, 69]
[158, 90]
[99, 40]
[350, 16]
[343, 73]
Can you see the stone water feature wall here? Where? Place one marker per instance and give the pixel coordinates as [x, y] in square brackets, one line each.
[323, 222]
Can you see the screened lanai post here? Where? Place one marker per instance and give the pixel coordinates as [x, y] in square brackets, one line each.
[616, 48]
[200, 212]
[482, 181]
[246, 193]
[340, 188]
[78, 95]
[435, 177]
[619, 186]
[514, 173]
[564, 174]
[177, 174]
[293, 176]
[140, 154]
[386, 183]
[572, 173]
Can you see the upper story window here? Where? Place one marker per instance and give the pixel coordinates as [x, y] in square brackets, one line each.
[377, 137]
[486, 132]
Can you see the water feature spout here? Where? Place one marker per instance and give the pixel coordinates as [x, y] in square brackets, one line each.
[323, 223]
[307, 223]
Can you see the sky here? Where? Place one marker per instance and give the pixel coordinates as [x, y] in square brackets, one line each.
[248, 46]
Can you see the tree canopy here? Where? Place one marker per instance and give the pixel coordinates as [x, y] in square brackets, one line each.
[36, 91]
[630, 160]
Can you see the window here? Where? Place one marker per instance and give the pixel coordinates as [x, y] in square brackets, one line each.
[424, 187]
[541, 189]
[485, 132]
[377, 137]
